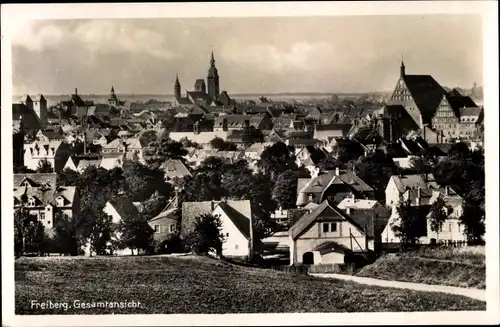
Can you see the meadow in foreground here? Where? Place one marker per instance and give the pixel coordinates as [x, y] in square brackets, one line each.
[166, 285]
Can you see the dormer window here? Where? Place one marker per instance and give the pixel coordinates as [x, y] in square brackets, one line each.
[31, 202]
[60, 201]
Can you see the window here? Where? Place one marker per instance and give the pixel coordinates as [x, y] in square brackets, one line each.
[157, 228]
[48, 208]
[227, 234]
[449, 227]
[333, 227]
[236, 246]
[42, 215]
[172, 228]
[31, 202]
[48, 222]
[326, 227]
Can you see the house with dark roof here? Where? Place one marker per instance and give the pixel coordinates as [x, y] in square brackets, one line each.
[165, 224]
[309, 156]
[327, 235]
[174, 169]
[332, 185]
[324, 133]
[420, 200]
[56, 152]
[420, 95]
[236, 217]
[40, 194]
[25, 119]
[399, 184]
[121, 210]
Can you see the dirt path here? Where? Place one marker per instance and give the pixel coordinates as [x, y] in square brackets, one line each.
[469, 292]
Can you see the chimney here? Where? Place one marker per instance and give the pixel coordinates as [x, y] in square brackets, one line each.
[76, 91]
[212, 205]
[337, 171]
[224, 124]
[348, 210]
[353, 196]
[417, 200]
[446, 190]
[84, 142]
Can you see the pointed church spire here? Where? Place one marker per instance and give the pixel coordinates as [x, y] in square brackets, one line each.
[112, 89]
[177, 86]
[403, 68]
[212, 59]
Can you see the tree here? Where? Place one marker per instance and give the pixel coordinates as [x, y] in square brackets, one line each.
[276, 159]
[135, 233]
[285, 189]
[330, 162]
[140, 181]
[408, 224]
[206, 236]
[65, 235]
[263, 205]
[44, 166]
[154, 205]
[163, 149]
[187, 143]
[221, 145]
[376, 169]
[148, 137]
[94, 228]
[438, 216]
[29, 232]
[472, 219]
[424, 163]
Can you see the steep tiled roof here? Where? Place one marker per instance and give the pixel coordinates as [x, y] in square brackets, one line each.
[307, 219]
[404, 182]
[426, 92]
[29, 118]
[470, 111]
[125, 208]
[35, 179]
[175, 168]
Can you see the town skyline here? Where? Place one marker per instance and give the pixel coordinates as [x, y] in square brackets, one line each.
[270, 55]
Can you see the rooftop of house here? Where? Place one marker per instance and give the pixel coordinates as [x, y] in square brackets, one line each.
[413, 181]
[426, 92]
[125, 208]
[192, 210]
[175, 168]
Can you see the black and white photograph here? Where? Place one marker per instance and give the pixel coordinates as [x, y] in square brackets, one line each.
[178, 159]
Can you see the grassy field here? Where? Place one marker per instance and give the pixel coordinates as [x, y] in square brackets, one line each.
[462, 267]
[203, 285]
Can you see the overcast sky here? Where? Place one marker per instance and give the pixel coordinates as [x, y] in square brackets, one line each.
[253, 55]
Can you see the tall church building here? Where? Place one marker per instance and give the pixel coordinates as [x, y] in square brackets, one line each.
[208, 94]
[213, 79]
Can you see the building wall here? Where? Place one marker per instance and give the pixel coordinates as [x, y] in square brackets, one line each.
[40, 108]
[391, 194]
[445, 120]
[165, 224]
[402, 96]
[314, 236]
[236, 244]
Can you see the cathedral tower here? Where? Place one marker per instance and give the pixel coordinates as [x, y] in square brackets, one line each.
[177, 87]
[213, 79]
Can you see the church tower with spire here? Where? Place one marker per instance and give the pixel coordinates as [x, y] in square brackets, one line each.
[177, 87]
[213, 79]
[112, 100]
[402, 69]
